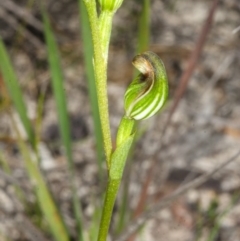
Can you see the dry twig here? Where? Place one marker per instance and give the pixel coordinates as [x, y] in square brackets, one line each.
[192, 62]
[14, 24]
[32, 232]
[22, 13]
[133, 227]
[179, 93]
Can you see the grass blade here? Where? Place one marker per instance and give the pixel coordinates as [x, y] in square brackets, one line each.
[15, 92]
[143, 27]
[48, 207]
[44, 197]
[59, 94]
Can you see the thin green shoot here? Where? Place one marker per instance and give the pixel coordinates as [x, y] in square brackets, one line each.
[57, 81]
[48, 207]
[15, 92]
[143, 38]
[93, 230]
[217, 224]
[38, 121]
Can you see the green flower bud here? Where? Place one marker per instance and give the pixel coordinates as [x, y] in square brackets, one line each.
[148, 92]
[110, 5]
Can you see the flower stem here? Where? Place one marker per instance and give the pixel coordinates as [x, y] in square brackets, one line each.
[105, 27]
[118, 160]
[100, 70]
[110, 197]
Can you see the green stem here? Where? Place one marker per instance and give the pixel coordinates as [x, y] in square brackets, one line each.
[89, 71]
[125, 129]
[100, 77]
[118, 160]
[112, 190]
[105, 27]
